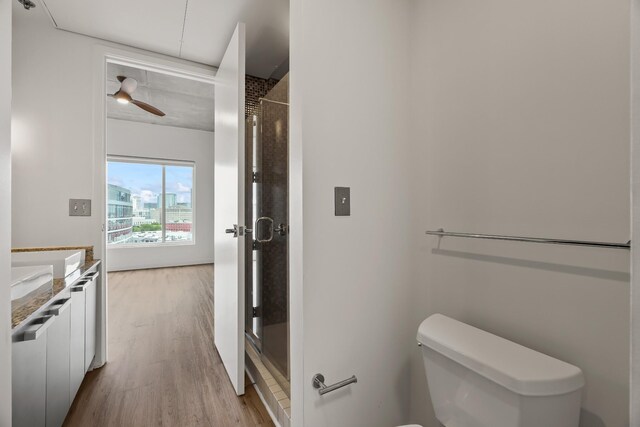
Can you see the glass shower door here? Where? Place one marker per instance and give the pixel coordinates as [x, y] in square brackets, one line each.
[267, 205]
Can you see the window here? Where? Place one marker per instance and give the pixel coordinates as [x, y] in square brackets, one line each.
[149, 202]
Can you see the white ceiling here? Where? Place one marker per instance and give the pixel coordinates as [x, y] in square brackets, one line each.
[186, 103]
[196, 30]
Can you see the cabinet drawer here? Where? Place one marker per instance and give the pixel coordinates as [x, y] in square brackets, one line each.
[58, 337]
[76, 341]
[29, 374]
[90, 319]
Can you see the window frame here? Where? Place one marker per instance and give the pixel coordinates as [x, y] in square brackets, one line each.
[163, 163]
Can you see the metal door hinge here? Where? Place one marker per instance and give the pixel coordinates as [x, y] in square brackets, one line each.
[257, 312]
[281, 229]
[255, 176]
[237, 230]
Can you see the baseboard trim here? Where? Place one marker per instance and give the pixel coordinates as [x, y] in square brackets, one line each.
[194, 264]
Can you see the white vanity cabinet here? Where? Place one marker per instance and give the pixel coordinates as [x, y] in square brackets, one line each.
[51, 352]
[29, 374]
[58, 339]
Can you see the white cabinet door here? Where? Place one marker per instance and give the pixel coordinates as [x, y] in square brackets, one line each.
[90, 320]
[29, 374]
[76, 343]
[58, 335]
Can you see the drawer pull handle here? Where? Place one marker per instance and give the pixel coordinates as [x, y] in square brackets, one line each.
[34, 334]
[79, 287]
[60, 308]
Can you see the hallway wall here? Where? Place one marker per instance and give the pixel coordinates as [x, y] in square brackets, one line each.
[53, 148]
[635, 212]
[520, 124]
[5, 212]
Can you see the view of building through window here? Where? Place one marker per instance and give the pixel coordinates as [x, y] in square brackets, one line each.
[136, 213]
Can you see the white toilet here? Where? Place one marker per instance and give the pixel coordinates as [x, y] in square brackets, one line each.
[477, 379]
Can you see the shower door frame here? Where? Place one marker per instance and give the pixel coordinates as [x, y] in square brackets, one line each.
[251, 142]
[253, 164]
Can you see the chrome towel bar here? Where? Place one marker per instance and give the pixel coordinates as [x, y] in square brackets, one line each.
[442, 233]
[318, 382]
[272, 101]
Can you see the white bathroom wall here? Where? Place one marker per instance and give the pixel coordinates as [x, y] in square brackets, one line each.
[299, 385]
[53, 143]
[125, 138]
[635, 210]
[349, 117]
[5, 212]
[520, 125]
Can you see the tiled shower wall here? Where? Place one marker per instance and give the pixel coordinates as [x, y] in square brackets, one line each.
[256, 88]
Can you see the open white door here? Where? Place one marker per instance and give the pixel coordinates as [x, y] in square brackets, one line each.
[229, 209]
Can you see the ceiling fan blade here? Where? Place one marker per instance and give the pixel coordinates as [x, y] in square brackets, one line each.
[150, 108]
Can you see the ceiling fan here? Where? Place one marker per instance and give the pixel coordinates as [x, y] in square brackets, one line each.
[123, 95]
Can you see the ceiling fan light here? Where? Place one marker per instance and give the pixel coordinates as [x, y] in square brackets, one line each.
[122, 97]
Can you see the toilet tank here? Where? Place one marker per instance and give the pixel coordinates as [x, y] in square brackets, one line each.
[477, 379]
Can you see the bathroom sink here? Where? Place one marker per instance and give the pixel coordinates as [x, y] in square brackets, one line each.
[64, 262]
[25, 280]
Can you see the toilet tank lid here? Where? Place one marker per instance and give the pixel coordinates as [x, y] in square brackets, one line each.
[520, 369]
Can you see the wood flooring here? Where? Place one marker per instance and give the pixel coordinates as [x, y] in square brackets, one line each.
[163, 368]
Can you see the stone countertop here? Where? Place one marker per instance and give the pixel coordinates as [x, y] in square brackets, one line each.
[46, 293]
[88, 250]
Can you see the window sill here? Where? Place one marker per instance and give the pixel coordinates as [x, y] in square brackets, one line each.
[151, 245]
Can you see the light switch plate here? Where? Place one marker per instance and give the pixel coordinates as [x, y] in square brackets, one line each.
[342, 201]
[79, 207]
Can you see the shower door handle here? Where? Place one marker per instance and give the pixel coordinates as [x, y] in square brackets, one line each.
[257, 234]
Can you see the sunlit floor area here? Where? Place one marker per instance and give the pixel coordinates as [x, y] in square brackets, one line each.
[163, 368]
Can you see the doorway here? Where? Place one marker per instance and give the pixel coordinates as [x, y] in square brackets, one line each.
[160, 161]
[175, 304]
[104, 56]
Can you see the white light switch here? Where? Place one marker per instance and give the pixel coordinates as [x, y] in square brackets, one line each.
[79, 207]
[342, 201]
